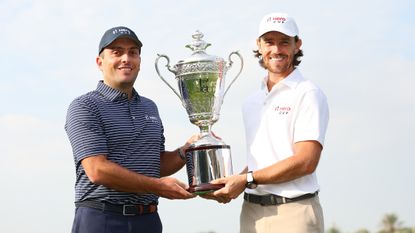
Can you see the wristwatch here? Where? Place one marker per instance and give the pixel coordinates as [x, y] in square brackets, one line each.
[250, 182]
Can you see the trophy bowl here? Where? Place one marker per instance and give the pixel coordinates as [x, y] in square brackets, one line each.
[201, 83]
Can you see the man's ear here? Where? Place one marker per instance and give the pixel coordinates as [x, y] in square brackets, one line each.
[98, 60]
[298, 45]
[258, 43]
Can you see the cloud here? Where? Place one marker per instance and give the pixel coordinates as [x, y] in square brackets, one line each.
[32, 144]
[37, 173]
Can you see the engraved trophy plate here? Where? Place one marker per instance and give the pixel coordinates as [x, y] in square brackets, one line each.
[201, 84]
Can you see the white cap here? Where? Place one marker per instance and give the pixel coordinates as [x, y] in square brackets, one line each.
[279, 22]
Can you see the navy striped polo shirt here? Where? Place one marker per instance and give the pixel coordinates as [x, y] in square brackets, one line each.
[129, 132]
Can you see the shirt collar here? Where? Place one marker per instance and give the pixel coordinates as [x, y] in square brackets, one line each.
[114, 94]
[291, 81]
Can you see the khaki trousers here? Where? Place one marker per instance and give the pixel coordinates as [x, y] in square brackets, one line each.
[305, 216]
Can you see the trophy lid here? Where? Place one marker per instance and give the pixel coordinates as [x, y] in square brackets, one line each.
[198, 46]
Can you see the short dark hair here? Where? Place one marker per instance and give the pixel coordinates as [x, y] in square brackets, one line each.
[296, 59]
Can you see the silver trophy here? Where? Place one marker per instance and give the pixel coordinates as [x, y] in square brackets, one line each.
[201, 82]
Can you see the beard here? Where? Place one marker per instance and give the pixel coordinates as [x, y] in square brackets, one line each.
[277, 67]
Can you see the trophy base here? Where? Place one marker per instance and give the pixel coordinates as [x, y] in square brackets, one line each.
[204, 188]
[206, 163]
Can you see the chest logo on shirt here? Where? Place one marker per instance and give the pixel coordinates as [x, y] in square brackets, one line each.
[152, 118]
[282, 110]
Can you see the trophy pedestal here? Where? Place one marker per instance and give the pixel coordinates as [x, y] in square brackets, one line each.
[206, 163]
[204, 188]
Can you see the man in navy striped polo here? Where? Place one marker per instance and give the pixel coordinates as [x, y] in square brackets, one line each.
[117, 139]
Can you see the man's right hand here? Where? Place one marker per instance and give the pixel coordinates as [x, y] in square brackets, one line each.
[171, 188]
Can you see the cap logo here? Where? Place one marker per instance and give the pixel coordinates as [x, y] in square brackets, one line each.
[121, 31]
[276, 19]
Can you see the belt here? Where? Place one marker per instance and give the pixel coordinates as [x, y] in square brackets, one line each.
[272, 199]
[126, 210]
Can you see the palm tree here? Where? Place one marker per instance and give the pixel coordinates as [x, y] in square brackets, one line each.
[333, 229]
[390, 224]
[362, 231]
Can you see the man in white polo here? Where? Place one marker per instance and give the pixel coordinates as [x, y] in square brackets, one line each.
[285, 123]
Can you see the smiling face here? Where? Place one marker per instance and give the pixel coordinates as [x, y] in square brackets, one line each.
[120, 64]
[278, 52]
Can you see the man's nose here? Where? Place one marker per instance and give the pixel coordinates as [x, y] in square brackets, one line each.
[275, 48]
[125, 57]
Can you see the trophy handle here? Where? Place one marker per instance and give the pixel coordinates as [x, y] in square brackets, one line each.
[230, 65]
[168, 67]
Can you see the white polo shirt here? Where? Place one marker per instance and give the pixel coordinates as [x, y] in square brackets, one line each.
[294, 110]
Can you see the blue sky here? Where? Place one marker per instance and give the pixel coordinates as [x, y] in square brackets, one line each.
[360, 53]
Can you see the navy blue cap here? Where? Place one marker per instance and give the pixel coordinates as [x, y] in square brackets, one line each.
[116, 32]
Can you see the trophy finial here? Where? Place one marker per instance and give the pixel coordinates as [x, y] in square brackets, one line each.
[198, 45]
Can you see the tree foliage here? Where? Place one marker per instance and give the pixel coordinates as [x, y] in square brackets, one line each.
[389, 224]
